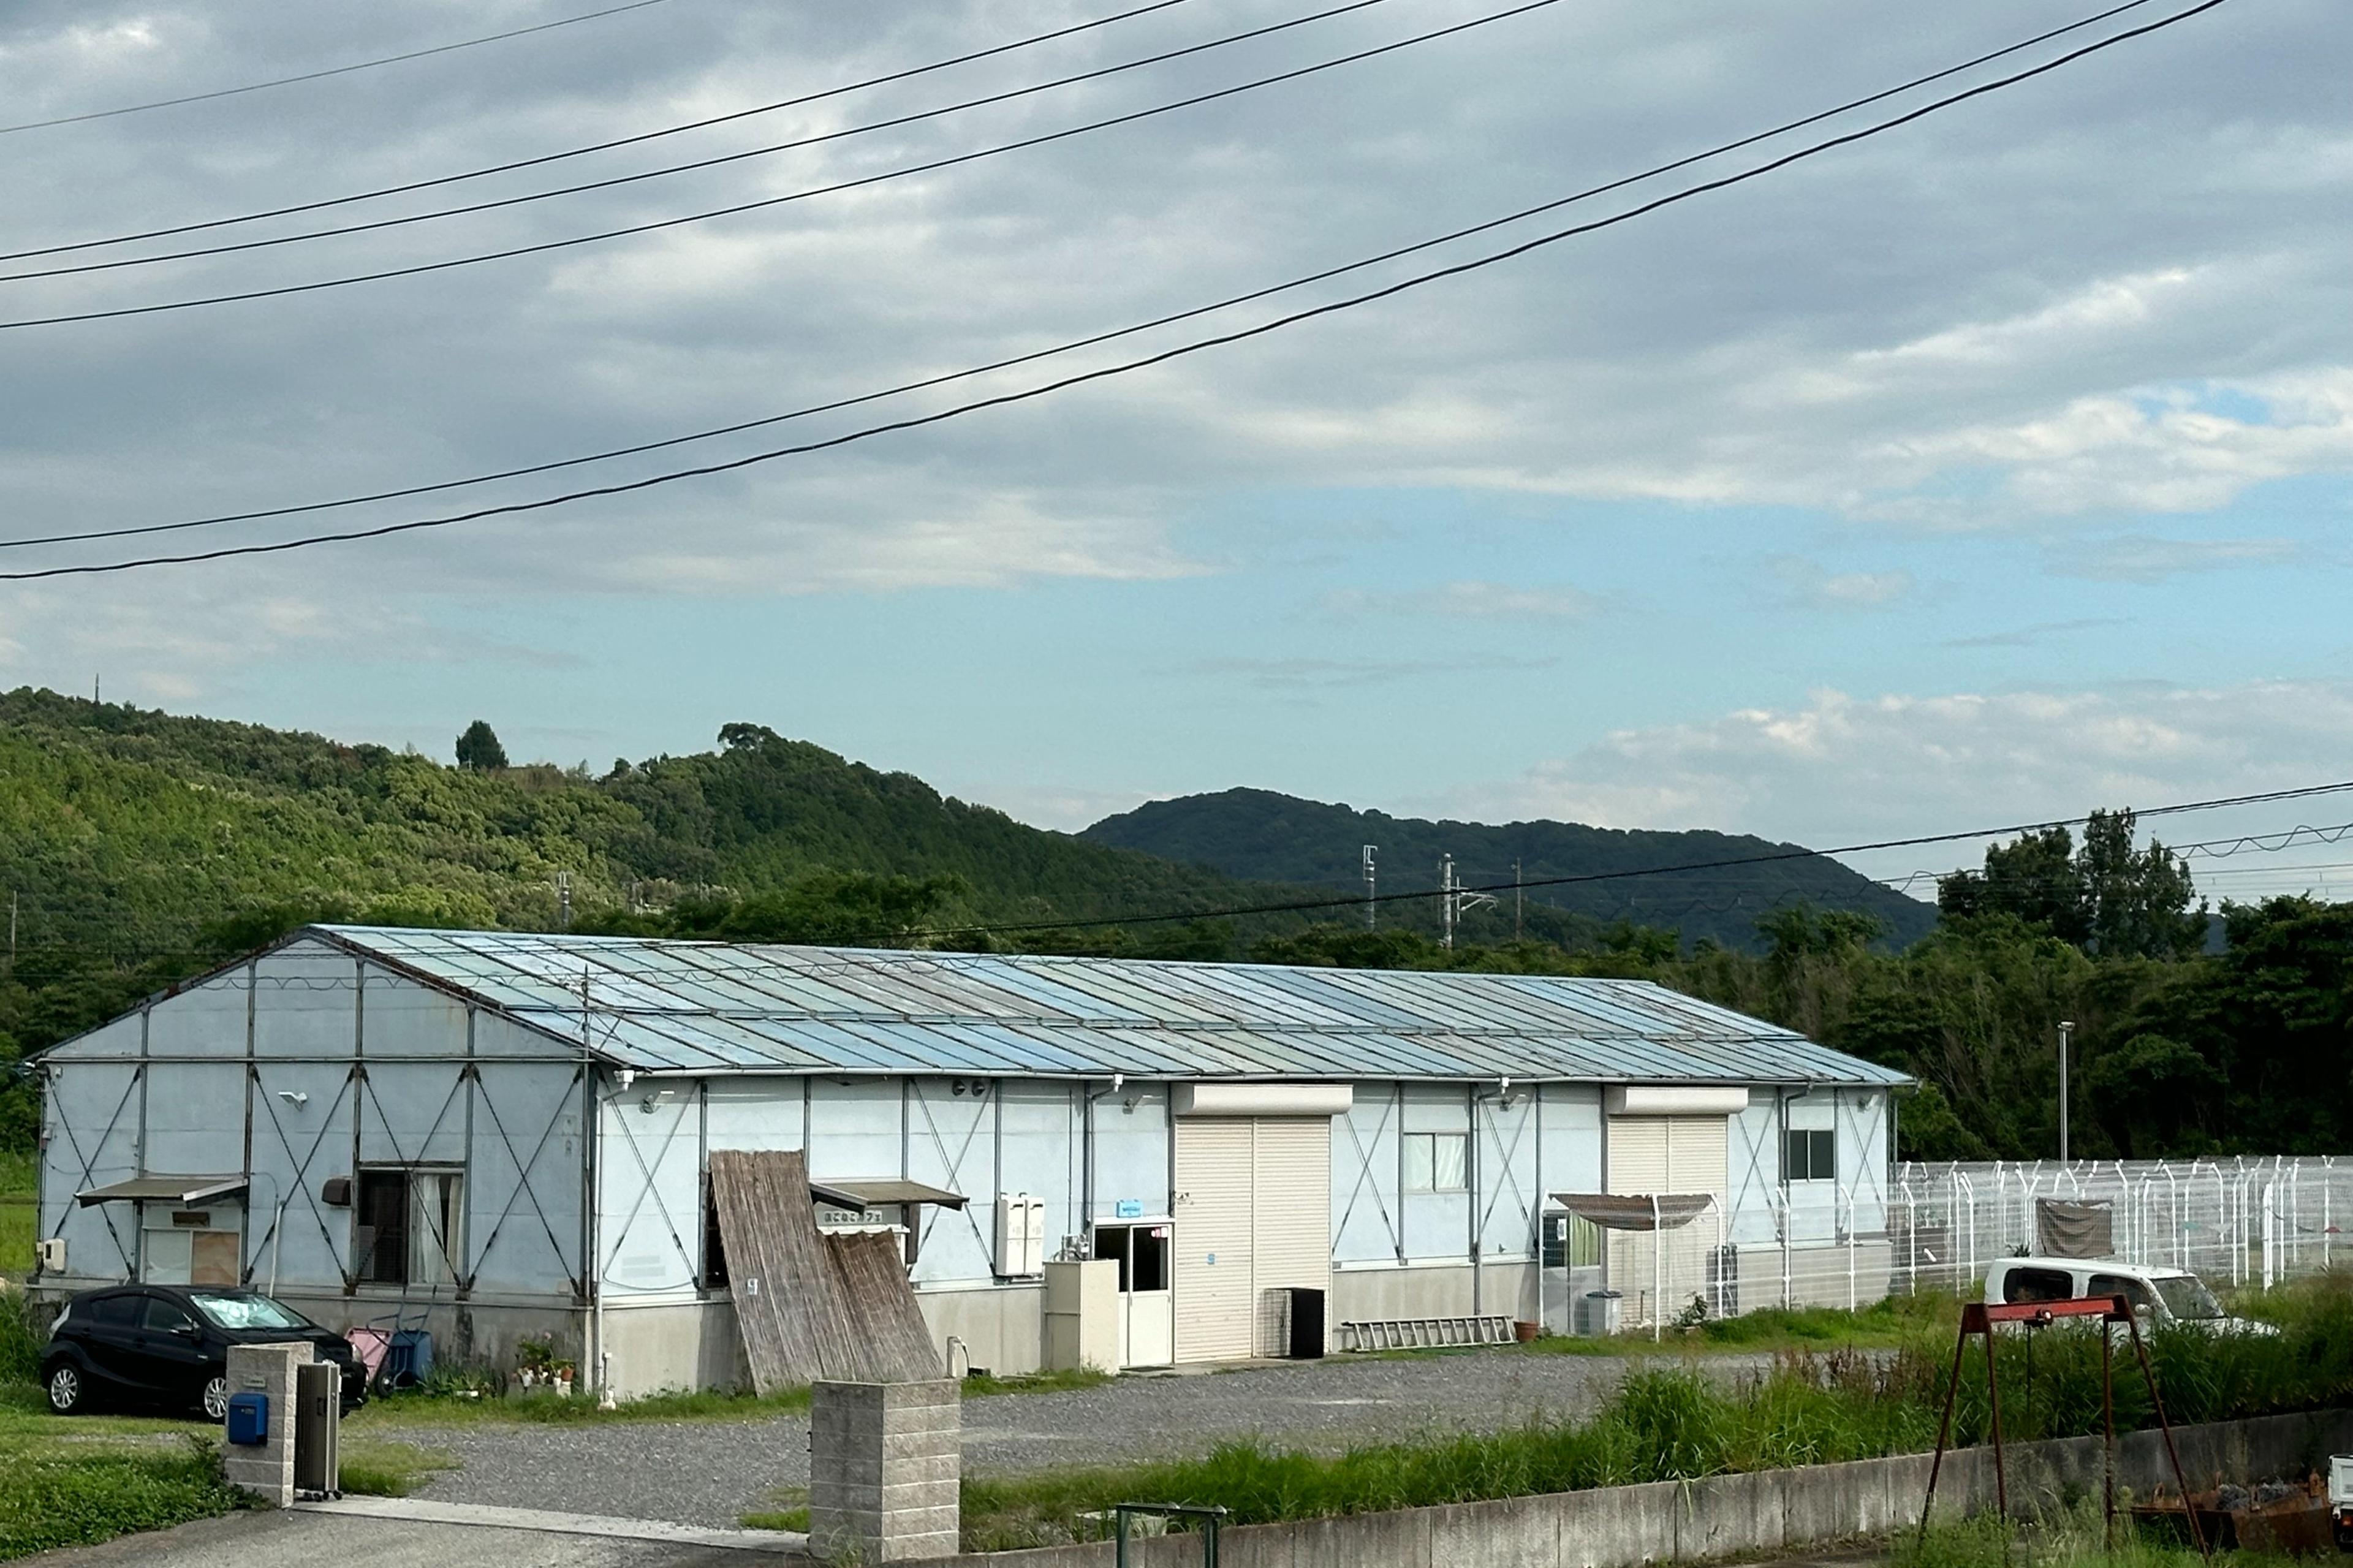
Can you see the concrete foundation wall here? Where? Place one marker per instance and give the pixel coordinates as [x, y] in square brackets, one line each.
[690, 1344]
[1003, 1328]
[1360, 1295]
[1757, 1515]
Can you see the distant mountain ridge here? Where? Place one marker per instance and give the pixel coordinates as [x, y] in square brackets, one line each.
[1263, 836]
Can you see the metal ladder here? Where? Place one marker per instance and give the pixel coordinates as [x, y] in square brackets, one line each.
[1421, 1333]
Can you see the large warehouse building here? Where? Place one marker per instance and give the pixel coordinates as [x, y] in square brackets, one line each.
[386, 1126]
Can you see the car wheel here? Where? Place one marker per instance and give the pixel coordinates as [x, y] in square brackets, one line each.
[215, 1399]
[65, 1393]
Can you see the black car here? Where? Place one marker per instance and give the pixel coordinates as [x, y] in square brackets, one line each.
[168, 1345]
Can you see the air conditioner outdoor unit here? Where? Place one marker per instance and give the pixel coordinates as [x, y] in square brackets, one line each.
[50, 1256]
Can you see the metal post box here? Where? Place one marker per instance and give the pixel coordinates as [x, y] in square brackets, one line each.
[248, 1418]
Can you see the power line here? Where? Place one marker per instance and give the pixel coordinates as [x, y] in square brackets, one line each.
[953, 161]
[1357, 900]
[1227, 303]
[1181, 351]
[332, 71]
[2212, 849]
[716, 161]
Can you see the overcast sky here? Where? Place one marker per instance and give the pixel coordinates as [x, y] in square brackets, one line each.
[1992, 469]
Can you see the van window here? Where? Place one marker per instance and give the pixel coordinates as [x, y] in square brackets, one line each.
[2038, 1285]
[2135, 1292]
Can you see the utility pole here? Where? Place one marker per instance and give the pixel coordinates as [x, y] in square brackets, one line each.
[563, 902]
[1372, 899]
[1446, 901]
[2065, 1029]
[1518, 934]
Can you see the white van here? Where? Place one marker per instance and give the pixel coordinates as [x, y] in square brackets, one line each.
[2158, 1296]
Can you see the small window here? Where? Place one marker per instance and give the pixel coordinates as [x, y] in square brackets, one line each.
[164, 1316]
[1437, 1162]
[1571, 1241]
[1140, 1250]
[1148, 1257]
[2039, 1285]
[1810, 1156]
[408, 1224]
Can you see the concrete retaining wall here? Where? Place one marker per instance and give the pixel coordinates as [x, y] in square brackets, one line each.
[1729, 1516]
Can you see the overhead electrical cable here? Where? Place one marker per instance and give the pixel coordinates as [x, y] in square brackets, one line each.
[383, 531]
[616, 452]
[611, 181]
[329, 71]
[1359, 900]
[947, 163]
[1181, 351]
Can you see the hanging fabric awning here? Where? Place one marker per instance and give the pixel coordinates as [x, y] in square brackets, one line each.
[1637, 1211]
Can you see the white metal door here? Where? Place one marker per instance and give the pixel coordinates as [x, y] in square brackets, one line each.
[1214, 1171]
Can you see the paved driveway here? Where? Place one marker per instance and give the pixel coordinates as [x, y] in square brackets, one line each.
[712, 1472]
[297, 1539]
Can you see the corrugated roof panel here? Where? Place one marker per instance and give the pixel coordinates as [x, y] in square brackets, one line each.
[742, 1007]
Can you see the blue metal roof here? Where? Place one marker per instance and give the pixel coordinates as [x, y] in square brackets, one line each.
[724, 1008]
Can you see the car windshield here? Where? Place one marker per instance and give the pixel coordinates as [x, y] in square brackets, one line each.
[247, 1311]
[2186, 1296]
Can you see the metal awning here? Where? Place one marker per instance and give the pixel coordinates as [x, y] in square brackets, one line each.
[882, 1194]
[1637, 1211]
[164, 1189]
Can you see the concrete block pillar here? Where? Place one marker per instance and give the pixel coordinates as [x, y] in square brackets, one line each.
[267, 1470]
[885, 1461]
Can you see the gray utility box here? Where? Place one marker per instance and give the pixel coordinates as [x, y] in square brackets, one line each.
[318, 1428]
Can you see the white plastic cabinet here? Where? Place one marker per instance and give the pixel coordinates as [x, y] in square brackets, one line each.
[1020, 1235]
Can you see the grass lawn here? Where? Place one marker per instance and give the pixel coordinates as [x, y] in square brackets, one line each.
[69, 1482]
[15, 1216]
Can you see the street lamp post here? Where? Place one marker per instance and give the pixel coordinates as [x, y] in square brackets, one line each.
[2064, 1030]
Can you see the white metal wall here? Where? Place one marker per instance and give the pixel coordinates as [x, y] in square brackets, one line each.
[307, 1064]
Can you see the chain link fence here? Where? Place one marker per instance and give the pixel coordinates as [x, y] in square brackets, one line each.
[2232, 1222]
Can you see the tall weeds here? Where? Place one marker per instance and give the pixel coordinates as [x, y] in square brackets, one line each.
[1670, 1424]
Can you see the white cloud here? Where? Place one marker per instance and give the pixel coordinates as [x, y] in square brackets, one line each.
[1808, 584]
[1474, 601]
[1846, 769]
[2164, 451]
[2139, 558]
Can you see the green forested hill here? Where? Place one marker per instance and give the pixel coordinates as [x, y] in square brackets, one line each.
[137, 845]
[1258, 834]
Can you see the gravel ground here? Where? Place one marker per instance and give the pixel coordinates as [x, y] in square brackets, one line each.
[711, 1472]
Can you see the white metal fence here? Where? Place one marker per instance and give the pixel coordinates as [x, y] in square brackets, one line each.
[2234, 1222]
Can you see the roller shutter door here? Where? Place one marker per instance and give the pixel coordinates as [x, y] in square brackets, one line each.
[1255, 1196]
[1666, 1154]
[1290, 1241]
[1214, 1171]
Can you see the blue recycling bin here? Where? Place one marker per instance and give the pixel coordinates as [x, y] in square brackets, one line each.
[248, 1418]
